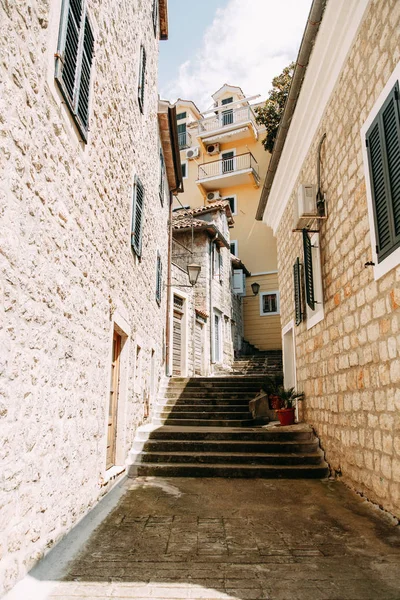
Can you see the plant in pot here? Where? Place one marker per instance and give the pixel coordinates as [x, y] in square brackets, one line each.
[271, 386]
[288, 398]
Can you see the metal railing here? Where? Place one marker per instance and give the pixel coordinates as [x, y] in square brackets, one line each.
[184, 140]
[227, 117]
[225, 166]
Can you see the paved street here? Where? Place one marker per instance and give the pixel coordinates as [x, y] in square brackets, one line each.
[238, 539]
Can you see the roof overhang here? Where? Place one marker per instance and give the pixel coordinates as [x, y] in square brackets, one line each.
[163, 12]
[208, 228]
[237, 263]
[170, 145]
[234, 89]
[190, 105]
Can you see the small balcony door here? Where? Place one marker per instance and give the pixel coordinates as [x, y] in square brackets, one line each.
[227, 115]
[228, 161]
[217, 338]
[182, 141]
[113, 403]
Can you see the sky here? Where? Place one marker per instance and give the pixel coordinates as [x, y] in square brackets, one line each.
[239, 42]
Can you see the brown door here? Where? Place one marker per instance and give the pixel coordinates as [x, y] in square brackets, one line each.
[113, 406]
[198, 348]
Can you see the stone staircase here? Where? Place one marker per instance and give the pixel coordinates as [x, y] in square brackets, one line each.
[202, 427]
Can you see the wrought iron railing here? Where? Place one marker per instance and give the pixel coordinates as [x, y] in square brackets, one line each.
[226, 166]
[184, 140]
[227, 117]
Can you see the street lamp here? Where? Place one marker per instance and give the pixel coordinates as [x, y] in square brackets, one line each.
[255, 288]
[193, 272]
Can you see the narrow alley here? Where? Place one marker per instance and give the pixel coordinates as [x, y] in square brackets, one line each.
[230, 539]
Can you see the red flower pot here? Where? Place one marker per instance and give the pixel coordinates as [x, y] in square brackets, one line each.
[285, 416]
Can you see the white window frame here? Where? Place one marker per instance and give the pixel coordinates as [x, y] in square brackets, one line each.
[234, 202]
[186, 163]
[236, 244]
[393, 259]
[317, 315]
[278, 304]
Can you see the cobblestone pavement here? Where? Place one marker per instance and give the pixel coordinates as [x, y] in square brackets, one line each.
[241, 539]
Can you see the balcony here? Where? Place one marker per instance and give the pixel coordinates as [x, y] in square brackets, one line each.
[184, 140]
[228, 125]
[228, 172]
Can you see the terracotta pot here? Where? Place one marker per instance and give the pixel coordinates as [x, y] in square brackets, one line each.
[275, 402]
[286, 416]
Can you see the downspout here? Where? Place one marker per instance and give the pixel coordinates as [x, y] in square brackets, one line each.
[169, 290]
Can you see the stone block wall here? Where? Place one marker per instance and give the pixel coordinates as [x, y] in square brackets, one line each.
[68, 273]
[349, 363]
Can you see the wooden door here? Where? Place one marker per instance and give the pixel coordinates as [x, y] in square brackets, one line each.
[198, 348]
[217, 338]
[177, 343]
[113, 405]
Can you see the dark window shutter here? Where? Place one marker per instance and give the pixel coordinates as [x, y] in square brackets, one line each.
[86, 66]
[137, 217]
[383, 144]
[155, 16]
[308, 270]
[220, 265]
[74, 61]
[159, 279]
[297, 292]
[162, 178]
[142, 78]
[68, 47]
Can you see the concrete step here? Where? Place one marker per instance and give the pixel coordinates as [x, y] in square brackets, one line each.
[196, 403]
[203, 422]
[219, 458]
[231, 470]
[227, 446]
[210, 394]
[215, 385]
[211, 433]
[204, 414]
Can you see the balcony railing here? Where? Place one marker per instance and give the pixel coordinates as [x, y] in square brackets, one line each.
[225, 166]
[231, 116]
[184, 140]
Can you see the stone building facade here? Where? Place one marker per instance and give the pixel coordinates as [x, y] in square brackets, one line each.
[84, 221]
[211, 314]
[344, 354]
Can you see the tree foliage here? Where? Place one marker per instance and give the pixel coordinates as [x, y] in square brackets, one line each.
[270, 114]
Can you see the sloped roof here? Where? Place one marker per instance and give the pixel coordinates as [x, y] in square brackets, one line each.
[210, 207]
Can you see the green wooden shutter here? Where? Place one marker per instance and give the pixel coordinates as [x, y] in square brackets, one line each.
[297, 292]
[137, 217]
[383, 144]
[86, 67]
[159, 279]
[308, 270]
[155, 16]
[74, 61]
[68, 47]
[142, 78]
[162, 178]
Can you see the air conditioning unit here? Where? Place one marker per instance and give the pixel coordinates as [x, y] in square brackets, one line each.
[192, 152]
[305, 208]
[212, 149]
[211, 196]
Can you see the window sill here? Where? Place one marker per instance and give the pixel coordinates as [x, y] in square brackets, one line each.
[315, 319]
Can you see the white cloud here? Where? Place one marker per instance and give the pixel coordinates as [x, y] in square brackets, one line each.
[248, 43]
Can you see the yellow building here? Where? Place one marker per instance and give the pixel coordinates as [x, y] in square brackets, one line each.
[223, 157]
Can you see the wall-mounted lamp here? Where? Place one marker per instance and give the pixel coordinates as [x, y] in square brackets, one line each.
[255, 288]
[193, 272]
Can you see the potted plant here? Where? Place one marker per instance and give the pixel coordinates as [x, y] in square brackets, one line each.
[288, 398]
[271, 386]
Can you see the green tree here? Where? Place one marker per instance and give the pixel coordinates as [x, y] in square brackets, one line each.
[270, 114]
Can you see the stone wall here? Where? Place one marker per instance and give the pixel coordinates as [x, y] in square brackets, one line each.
[221, 294]
[348, 364]
[68, 273]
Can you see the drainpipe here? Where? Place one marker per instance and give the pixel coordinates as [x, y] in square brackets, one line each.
[169, 291]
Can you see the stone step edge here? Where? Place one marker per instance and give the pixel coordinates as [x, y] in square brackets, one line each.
[231, 467]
